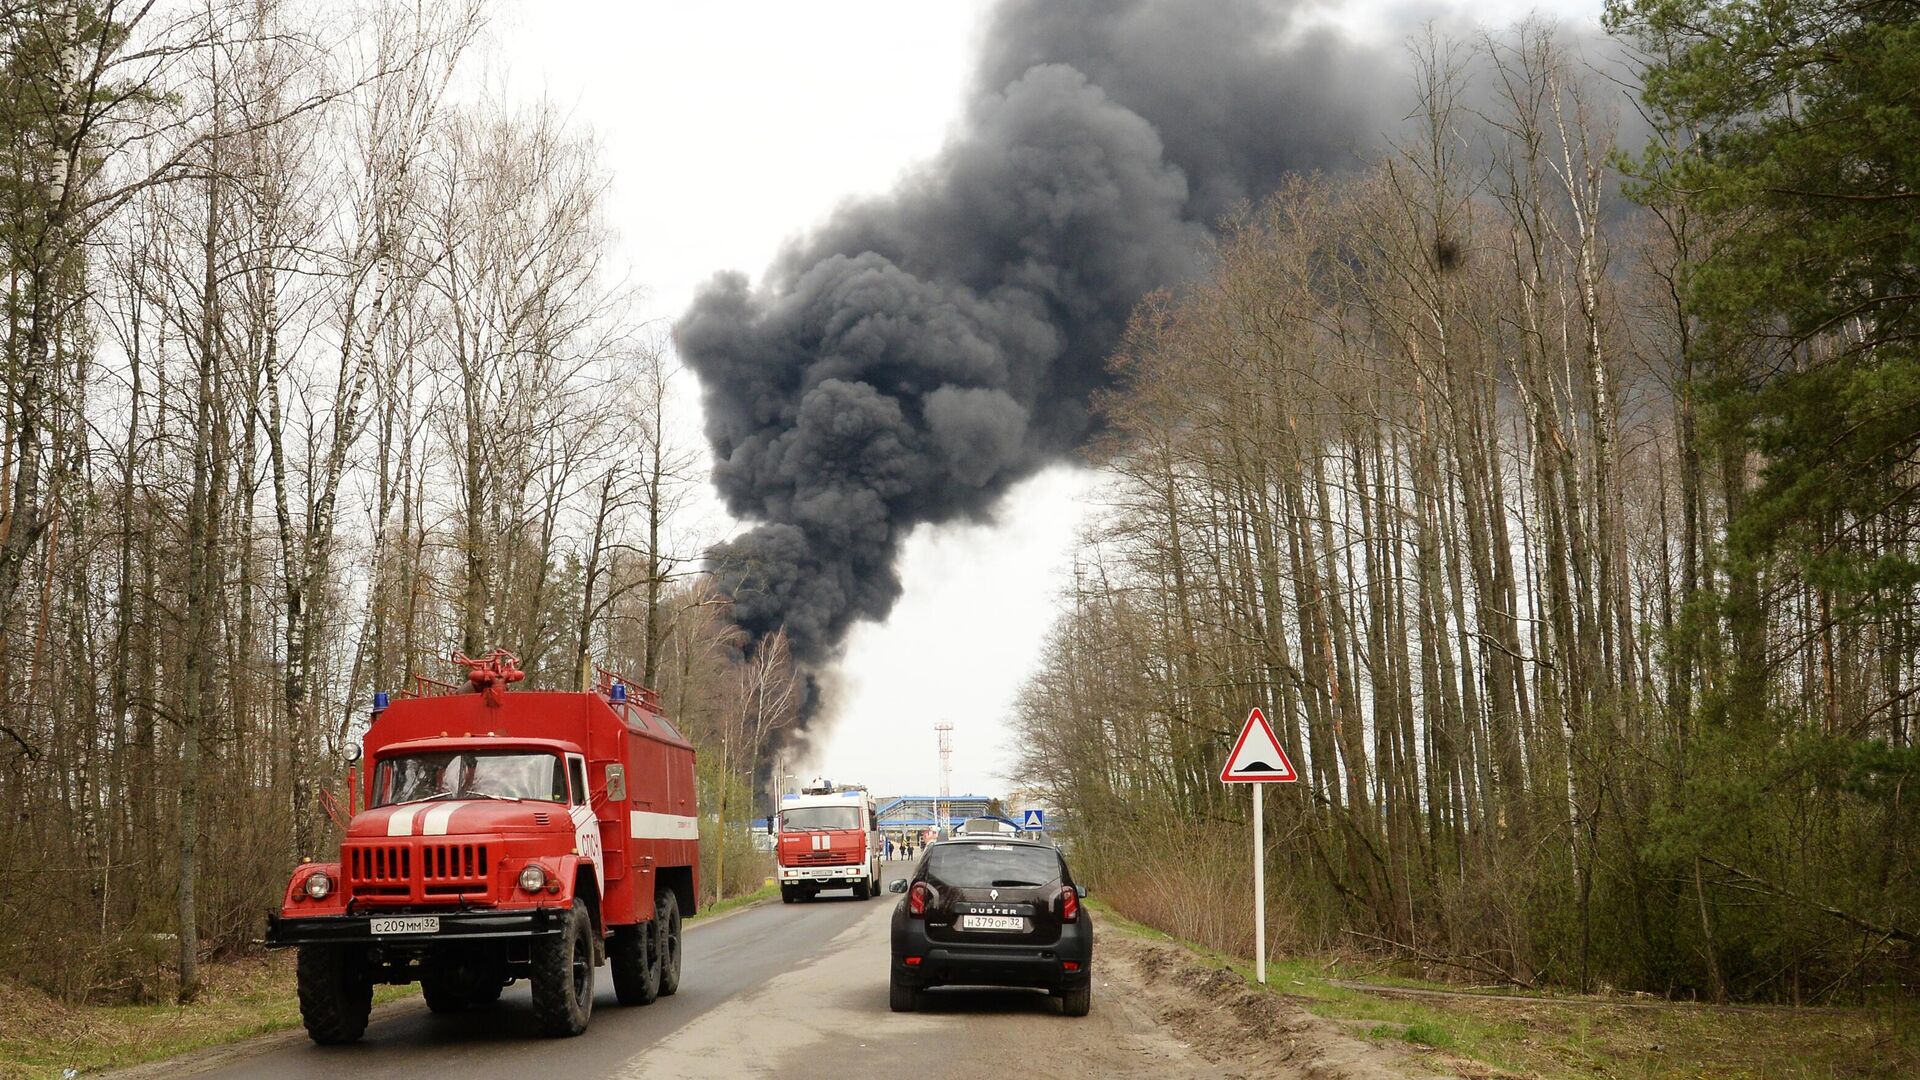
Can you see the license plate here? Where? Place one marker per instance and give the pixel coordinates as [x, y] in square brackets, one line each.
[992, 922]
[416, 924]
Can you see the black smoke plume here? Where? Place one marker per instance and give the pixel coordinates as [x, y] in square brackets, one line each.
[921, 352]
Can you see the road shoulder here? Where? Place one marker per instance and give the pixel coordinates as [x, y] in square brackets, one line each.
[292, 1036]
[207, 1059]
[1240, 1027]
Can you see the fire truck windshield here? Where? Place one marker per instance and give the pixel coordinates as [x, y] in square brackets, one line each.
[803, 818]
[470, 774]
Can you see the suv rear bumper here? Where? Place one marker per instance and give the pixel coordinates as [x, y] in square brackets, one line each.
[454, 926]
[959, 963]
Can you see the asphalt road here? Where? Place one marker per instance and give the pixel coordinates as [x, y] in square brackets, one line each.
[780, 989]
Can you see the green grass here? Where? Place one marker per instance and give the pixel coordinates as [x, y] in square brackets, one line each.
[767, 891]
[1540, 1035]
[1427, 1034]
[1420, 1033]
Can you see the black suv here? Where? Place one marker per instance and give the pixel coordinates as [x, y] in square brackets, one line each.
[991, 911]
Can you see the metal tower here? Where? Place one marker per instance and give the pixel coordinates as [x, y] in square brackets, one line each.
[941, 811]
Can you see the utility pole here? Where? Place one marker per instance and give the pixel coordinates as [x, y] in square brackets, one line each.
[941, 811]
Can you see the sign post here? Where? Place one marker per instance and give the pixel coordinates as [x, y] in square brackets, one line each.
[1259, 885]
[1258, 759]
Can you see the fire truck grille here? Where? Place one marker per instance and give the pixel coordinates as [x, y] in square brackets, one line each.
[382, 870]
[825, 858]
[454, 868]
[392, 870]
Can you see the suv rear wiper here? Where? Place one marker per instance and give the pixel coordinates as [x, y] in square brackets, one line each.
[1012, 883]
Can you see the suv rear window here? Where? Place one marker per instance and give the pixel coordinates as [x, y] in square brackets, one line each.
[978, 866]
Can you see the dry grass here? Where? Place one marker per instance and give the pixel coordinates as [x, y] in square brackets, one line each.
[1594, 1037]
[767, 891]
[41, 1036]
[1199, 893]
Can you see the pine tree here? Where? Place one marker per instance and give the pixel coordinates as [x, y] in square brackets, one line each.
[1806, 149]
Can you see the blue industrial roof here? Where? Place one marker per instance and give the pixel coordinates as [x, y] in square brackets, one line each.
[982, 799]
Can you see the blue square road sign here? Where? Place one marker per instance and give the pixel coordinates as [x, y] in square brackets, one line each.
[1033, 819]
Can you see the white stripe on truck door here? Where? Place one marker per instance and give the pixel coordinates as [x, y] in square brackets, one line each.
[646, 825]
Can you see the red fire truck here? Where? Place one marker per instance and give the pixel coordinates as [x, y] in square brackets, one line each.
[531, 835]
[828, 839]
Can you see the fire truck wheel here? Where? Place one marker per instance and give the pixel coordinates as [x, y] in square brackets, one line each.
[635, 963]
[789, 895]
[563, 976]
[336, 993]
[666, 916]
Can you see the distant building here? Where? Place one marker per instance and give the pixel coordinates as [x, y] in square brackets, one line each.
[915, 814]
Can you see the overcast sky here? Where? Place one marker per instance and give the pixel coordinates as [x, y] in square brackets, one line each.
[729, 127]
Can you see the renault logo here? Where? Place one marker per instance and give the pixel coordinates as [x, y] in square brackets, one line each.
[994, 895]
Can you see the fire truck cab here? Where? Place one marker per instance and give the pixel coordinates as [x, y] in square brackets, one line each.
[533, 835]
[827, 838]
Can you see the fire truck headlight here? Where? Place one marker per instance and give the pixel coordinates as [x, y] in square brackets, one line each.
[319, 885]
[533, 878]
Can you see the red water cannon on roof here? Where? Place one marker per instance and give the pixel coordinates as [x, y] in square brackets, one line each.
[490, 674]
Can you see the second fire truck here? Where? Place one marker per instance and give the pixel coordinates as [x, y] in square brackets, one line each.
[827, 838]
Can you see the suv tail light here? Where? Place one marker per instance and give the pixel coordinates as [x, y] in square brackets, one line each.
[918, 898]
[1069, 905]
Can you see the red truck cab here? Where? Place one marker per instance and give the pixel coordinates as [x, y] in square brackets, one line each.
[534, 835]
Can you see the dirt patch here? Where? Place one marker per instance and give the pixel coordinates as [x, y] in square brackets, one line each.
[1251, 1031]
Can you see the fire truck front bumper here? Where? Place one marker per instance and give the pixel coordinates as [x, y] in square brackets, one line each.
[823, 875]
[413, 928]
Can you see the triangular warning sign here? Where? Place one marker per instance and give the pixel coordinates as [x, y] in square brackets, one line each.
[1257, 757]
